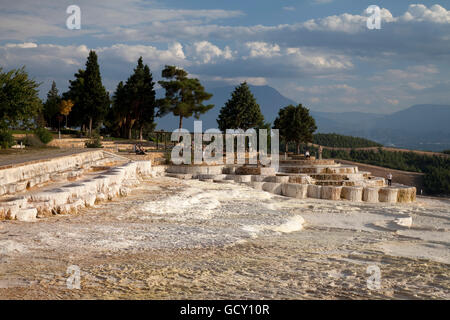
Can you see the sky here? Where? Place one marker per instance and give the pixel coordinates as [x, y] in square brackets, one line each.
[316, 52]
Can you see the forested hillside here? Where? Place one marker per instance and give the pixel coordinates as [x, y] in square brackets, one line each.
[341, 141]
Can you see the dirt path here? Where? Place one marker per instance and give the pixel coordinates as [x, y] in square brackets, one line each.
[13, 157]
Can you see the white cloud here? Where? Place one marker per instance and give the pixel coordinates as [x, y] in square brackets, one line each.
[206, 52]
[263, 49]
[153, 56]
[304, 59]
[288, 8]
[345, 22]
[318, 60]
[434, 14]
[24, 45]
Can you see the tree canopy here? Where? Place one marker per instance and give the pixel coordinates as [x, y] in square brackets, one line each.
[51, 106]
[134, 103]
[241, 111]
[91, 100]
[295, 125]
[184, 96]
[19, 99]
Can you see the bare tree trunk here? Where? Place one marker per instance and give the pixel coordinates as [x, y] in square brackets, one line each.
[181, 122]
[90, 127]
[140, 133]
[298, 147]
[129, 132]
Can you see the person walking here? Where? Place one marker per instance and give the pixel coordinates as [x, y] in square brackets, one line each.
[389, 179]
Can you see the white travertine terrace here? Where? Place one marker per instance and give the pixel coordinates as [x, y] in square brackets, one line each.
[67, 197]
[65, 184]
[300, 178]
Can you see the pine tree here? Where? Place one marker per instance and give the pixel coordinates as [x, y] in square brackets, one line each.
[51, 106]
[184, 96]
[241, 111]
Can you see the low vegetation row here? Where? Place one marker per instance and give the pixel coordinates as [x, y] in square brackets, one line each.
[341, 141]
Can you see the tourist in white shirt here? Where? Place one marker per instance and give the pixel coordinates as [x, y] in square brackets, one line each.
[389, 179]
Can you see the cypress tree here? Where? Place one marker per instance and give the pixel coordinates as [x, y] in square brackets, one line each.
[96, 99]
[89, 95]
[141, 97]
[51, 106]
[241, 111]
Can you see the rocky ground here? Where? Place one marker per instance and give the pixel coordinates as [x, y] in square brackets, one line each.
[174, 239]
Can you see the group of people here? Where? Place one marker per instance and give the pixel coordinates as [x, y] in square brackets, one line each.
[139, 149]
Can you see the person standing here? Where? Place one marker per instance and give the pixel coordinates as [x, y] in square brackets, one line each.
[389, 179]
[320, 152]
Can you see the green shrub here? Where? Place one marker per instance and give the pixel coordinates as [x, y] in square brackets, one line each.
[94, 142]
[44, 135]
[437, 181]
[6, 139]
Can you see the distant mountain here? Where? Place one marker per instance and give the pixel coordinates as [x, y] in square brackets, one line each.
[423, 127]
[268, 98]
